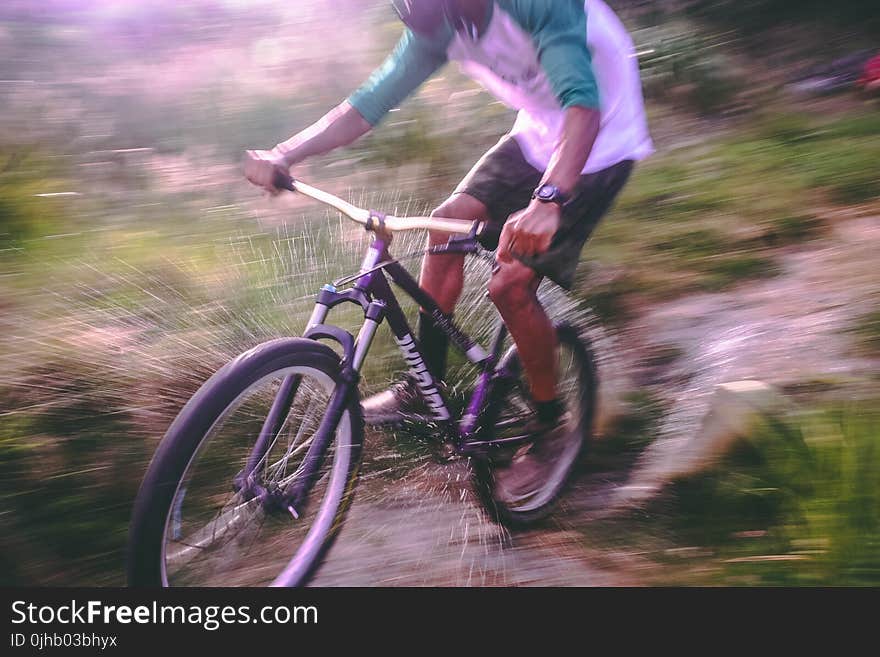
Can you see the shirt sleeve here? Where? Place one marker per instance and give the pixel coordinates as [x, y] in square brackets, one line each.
[413, 61]
[559, 31]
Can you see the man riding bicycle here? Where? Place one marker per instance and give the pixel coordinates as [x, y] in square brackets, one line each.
[570, 68]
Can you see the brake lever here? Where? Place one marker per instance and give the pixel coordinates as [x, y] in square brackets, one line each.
[467, 244]
[281, 180]
[451, 247]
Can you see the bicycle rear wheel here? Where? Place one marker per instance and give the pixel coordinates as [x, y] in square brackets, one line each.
[576, 389]
[198, 523]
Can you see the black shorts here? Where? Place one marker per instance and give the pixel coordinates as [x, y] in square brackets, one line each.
[504, 181]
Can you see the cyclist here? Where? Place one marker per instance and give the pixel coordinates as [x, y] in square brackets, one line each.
[570, 68]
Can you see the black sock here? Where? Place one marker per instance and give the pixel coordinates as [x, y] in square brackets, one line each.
[434, 344]
[549, 411]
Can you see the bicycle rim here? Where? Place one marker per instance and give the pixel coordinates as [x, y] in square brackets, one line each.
[214, 535]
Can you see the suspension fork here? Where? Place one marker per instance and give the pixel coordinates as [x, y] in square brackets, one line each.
[245, 479]
[295, 497]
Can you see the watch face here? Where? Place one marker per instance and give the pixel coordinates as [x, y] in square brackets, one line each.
[546, 192]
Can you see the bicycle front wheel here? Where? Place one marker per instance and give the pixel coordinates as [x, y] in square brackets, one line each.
[197, 519]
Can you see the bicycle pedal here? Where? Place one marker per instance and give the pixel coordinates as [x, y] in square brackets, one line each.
[446, 452]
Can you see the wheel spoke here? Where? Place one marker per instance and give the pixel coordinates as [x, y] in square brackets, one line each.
[292, 448]
[206, 538]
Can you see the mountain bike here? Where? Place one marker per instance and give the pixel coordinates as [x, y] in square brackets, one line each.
[252, 481]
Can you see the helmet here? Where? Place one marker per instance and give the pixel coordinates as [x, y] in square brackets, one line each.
[427, 17]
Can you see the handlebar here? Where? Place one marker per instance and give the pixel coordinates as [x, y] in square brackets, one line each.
[375, 221]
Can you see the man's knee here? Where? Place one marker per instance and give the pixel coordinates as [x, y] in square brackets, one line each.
[513, 286]
[457, 206]
[460, 206]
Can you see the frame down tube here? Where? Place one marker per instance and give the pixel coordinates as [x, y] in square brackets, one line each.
[409, 347]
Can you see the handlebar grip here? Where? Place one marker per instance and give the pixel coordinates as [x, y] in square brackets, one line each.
[282, 180]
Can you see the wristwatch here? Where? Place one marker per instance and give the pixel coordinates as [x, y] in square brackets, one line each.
[550, 194]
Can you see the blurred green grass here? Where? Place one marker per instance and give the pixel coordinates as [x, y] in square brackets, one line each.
[710, 215]
[158, 265]
[799, 505]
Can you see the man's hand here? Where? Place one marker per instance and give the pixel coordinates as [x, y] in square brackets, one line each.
[339, 127]
[260, 168]
[529, 231]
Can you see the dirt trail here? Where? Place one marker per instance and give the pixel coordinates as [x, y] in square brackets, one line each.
[428, 530]
[783, 330]
[425, 527]
[793, 331]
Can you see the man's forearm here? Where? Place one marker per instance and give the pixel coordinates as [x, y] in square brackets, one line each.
[579, 130]
[339, 127]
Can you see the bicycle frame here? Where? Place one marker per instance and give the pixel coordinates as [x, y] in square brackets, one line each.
[373, 293]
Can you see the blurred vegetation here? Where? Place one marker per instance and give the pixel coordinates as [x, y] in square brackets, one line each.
[755, 16]
[686, 68]
[633, 431]
[798, 505]
[706, 216]
[134, 261]
[867, 328]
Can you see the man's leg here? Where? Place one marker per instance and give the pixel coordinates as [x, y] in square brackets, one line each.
[513, 289]
[443, 278]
